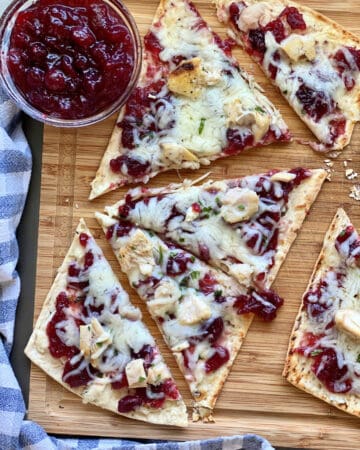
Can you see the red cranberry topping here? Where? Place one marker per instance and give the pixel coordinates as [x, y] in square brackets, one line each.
[89, 260]
[207, 283]
[277, 28]
[124, 211]
[226, 45]
[196, 208]
[257, 41]
[294, 18]
[337, 128]
[234, 12]
[152, 45]
[56, 346]
[309, 340]
[213, 329]
[129, 403]
[237, 141]
[83, 238]
[73, 270]
[219, 358]
[79, 379]
[352, 247]
[123, 228]
[264, 304]
[120, 383]
[70, 60]
[327, 370]
[147, 353]
[316, 103]
[187, 355]
[204, 252]
[130, 166]
[273, 70]
[177, 264]
[312, 300]
[170, 390]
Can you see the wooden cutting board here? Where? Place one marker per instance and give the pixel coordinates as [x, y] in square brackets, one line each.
[255, 398]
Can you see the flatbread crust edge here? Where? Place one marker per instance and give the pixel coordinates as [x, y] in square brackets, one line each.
[297, 368]
[300, 201]
[341, 35]
[173, 413]
[213, 384]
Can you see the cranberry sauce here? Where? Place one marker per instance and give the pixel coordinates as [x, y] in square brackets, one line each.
[70, 306]
[72, 59]
[327, 370]
[212, 331]
[289, 20]
[142, 396]
[275, 205]
[264, 304]
[348, 245]
[347, 62]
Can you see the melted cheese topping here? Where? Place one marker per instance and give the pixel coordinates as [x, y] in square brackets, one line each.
[225, 242]
[189, 292]
[304, 57]
[198, 123]
[115, 317]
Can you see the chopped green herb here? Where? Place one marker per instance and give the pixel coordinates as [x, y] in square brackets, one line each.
[358, 358]
[218, 293]
[151, 234]
[195, 274]
[88, 327]
[100, 375]
[202, 125]
[207, 209]
[342, 234]
[173, 254]
[218, 202]
[184, 282]
[192, 259]
[259, 109]
[285, 92]
[316, 352]
[99, 344]
[241, 207]
[161, 256]
[181, 240]
[141, 379]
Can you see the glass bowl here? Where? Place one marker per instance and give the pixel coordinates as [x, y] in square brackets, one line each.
[7, 22]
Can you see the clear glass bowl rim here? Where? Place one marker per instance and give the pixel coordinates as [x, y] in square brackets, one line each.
[8, 18]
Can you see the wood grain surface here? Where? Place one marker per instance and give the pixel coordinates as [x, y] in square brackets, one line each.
[255, 398]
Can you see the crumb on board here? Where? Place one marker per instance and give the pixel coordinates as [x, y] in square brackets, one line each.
[329, 168]
[350, 174]
[355, 192]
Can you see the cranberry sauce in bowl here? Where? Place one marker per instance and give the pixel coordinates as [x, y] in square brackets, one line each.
[69, 62]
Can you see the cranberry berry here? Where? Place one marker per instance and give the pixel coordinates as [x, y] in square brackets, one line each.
[72, 59]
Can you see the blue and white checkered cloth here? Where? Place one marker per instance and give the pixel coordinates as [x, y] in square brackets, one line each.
[15, 432]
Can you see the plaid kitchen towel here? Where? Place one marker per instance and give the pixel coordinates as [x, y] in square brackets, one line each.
[15, 432]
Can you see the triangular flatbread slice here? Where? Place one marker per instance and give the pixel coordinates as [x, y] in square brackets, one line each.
[244, 226]
[90, 339]
[313, 61]
[202, 313]
[324, 351]
[193, 105]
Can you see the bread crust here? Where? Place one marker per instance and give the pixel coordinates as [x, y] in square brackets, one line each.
[297, 369]
[173, 413]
